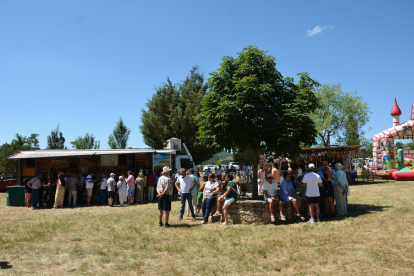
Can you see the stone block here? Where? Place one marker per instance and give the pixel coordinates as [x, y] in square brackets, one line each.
[215, 218]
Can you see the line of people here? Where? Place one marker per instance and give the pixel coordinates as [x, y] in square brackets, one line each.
[51, 192]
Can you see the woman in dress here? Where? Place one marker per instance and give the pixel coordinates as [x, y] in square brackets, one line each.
[47, 198]
[140, 187]
[260, 179]
[60, 192]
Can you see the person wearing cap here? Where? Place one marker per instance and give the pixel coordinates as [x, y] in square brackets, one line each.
[328, 188]
[89, 187]
[312, 181]
[340, 183]
[287, 193]
[184, 187]
[35, 185]
[270, 194]
[164, 194]
[110, 184]
[103, 189]
[121, 185]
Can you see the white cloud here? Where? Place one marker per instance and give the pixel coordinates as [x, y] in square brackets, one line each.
[318, 29]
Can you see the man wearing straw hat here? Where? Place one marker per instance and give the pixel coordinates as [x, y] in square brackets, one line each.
[164, 195]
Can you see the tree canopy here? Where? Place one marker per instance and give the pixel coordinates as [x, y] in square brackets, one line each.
[56, 140]
[119, 137]
[340, 115]
[20, 143]
[86, 142]
[171, 113]
[250, 106]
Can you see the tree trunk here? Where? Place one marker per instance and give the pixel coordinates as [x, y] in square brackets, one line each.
[254, 171]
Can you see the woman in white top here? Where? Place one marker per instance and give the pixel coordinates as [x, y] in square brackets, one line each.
[260, 179]
[122, 187]
[211, 189]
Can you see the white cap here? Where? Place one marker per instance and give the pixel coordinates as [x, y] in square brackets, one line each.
[112, 174]
[270, 175]
[121, 177]
[311, 166]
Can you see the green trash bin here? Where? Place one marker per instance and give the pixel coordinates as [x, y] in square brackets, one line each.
[15, 196]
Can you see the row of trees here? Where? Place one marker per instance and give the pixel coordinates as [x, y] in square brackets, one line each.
[117, 139]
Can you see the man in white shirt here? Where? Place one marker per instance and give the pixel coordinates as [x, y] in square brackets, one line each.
[219, 170]
[183, 185]
[271, 195]
[312, 181]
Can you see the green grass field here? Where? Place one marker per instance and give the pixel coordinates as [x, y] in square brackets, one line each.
[376, 239]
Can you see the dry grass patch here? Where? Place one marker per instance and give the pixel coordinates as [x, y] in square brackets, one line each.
[377, 238]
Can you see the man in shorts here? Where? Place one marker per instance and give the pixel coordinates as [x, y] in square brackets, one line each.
[110, 183]
[328, 189]
[312, 181]
[270, 192]
[164, 194]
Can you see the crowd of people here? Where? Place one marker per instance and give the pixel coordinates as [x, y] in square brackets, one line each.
[319, 187]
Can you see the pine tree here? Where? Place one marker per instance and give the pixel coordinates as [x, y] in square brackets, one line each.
[56, 140]
[119, 137]
[171, 113]
[86, 142]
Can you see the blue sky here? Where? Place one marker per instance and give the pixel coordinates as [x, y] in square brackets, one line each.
[84, 64]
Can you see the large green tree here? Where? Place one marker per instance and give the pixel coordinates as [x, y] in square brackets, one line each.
[340, 115]
[171, 113]
[8, 166]
[250, 106]
[119, 137]
[86, 142]
[56, 140]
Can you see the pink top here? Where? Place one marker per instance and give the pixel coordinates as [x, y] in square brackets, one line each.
[130, 180]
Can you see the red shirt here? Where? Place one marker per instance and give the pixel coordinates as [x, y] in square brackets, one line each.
[151, 180]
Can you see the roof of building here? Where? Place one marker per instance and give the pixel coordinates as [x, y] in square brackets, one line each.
[66, 153]
[396, 111]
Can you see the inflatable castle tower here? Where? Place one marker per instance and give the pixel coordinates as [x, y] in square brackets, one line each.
[384, 152]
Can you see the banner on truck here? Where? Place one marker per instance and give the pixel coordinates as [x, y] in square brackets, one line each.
[160, 161]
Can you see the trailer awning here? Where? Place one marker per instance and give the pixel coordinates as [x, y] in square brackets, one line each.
[66, 153]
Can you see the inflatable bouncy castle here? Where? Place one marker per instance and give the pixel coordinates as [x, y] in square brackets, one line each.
[387, 156]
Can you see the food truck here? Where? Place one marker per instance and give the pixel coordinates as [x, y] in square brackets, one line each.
[103, 161]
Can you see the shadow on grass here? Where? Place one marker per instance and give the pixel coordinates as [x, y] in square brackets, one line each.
[356, 210]
[369, 182]
[5, 265]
